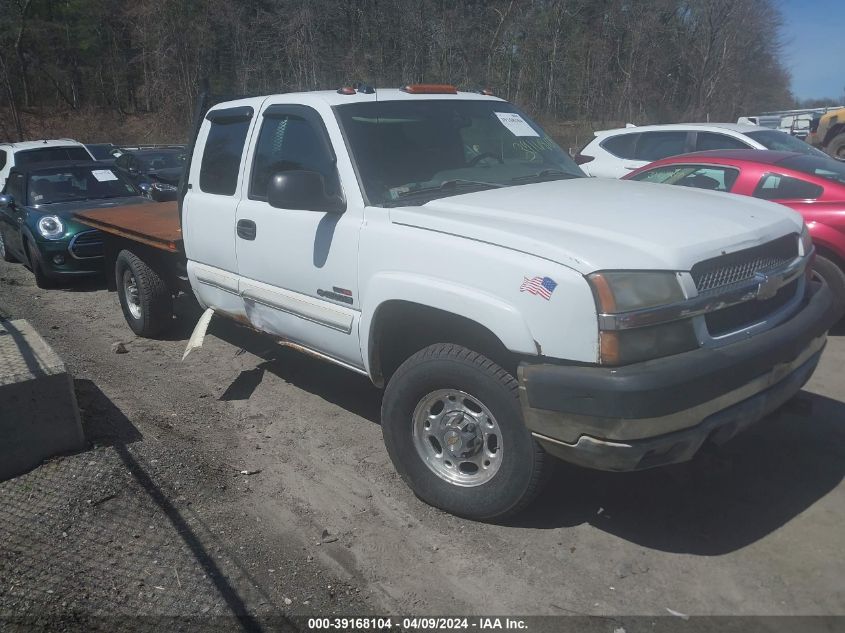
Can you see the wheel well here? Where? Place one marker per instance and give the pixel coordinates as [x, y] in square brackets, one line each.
[165, 264]
[824, 251]
[402, 328]
[833, 132]
[25, 240]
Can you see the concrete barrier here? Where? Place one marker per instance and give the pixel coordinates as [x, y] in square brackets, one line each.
[39, 417]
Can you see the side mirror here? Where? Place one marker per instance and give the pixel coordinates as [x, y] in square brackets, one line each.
[302, 189]
[7, 200]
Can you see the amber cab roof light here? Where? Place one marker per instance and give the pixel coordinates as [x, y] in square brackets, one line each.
[430, 89]
[356, 88]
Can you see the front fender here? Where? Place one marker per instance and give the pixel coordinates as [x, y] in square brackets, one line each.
[498, 316]
[829, 238]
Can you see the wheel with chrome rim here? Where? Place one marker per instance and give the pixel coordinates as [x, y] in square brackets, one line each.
[130, 289]
[457, 437]
[145, 297]
[453, 428]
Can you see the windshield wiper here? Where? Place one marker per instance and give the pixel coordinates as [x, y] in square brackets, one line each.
[455, 183]
[546, 174]
[449, 184]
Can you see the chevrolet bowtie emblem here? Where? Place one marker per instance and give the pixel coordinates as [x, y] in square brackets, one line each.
[767, 287]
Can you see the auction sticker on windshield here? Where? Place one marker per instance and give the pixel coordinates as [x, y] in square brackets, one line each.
[516, 124]
[103, 175]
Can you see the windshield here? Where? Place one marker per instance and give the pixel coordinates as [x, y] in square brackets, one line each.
[410, 152]
[77, 183]
[783, 142]
[162, 160]
[826, 167]
[51, 154]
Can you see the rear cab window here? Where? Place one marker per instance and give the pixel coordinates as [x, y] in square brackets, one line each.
[224, 147]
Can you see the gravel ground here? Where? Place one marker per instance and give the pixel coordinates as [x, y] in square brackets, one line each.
[156, 519]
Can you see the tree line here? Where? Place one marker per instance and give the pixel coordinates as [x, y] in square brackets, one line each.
[595, 60]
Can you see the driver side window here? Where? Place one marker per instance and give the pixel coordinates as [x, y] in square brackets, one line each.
[287, 143]
[15, 187]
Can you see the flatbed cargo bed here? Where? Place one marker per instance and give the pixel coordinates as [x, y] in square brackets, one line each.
[155, 224]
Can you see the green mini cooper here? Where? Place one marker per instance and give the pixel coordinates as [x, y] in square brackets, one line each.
[36, 217]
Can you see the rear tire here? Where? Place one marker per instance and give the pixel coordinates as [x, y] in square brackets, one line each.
[449, 396]
[144, 296]
[835, 278]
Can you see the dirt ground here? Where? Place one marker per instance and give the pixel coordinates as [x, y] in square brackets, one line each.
[156, 518]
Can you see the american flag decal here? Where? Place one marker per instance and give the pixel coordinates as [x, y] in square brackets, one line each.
[543, 286]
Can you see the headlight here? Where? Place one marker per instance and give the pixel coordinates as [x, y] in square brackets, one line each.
[160, 186]
[51, 227]
[623, 347]
[624, 291]
[617, 292]
[806, 241]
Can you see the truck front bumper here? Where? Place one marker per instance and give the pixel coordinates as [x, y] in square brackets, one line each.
[661, 411]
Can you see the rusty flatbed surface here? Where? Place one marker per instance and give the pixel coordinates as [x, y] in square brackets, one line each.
[155, 224]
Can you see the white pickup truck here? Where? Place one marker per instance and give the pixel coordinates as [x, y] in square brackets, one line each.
[441, 243]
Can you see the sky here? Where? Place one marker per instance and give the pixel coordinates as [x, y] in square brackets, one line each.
[814, 46]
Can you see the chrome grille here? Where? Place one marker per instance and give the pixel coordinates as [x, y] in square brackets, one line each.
[742, 265]
[86, 245]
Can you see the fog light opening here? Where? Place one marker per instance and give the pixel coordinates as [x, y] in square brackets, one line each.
[58, 259]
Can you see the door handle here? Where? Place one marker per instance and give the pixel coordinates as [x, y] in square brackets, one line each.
[246, 229]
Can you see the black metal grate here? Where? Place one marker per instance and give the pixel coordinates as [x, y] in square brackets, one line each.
[87, 244]
[742, 265]
[748, 312]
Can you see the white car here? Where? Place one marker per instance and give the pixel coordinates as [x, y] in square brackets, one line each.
[614, 153]
[27, 152]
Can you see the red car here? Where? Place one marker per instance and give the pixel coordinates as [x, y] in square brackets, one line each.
[813, 186]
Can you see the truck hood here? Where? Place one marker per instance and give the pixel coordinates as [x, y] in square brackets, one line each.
[592, 224]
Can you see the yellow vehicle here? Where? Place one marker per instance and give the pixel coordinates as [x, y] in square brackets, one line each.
[828, 133]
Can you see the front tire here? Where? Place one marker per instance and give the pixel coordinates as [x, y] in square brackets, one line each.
[41, 279]
[454, 430]
[835, 278]
[144, 296]
[4, 252]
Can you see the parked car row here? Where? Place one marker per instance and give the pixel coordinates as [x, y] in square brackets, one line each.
[45, 182]
[614, 153]
[443, 245]
[37, 224]
[812, 185]
[736, 158]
